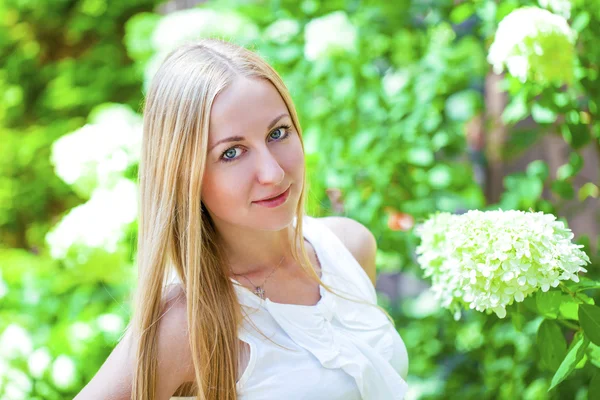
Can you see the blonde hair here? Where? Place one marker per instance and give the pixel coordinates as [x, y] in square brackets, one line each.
[175, 230]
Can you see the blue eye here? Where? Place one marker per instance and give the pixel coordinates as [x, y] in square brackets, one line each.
[278, 130]
[229, 154]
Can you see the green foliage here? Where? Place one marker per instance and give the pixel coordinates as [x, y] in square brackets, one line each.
[384, 110]
[589, 316]
[552, 345]
[574, 356]
[59, 61]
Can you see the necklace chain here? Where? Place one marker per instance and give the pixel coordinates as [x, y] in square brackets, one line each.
[259, 290]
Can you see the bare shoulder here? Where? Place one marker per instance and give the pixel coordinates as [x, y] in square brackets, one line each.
[175, 367]
[359, 240]
[173, 338]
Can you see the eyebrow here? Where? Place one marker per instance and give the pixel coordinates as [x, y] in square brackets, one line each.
[240, 138]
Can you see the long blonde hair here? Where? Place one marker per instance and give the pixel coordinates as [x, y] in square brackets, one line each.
[175, 230]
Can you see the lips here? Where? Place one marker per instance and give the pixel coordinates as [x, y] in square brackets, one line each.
[274, 196]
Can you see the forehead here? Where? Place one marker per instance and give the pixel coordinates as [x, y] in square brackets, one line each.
[246, 104]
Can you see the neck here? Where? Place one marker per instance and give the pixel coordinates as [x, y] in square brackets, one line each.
[252, 251]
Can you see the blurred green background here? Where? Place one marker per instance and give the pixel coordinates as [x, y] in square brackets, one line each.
[402, 114]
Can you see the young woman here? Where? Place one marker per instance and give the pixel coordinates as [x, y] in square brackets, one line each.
[240, 294]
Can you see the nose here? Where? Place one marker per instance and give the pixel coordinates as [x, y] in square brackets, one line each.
[269, 171]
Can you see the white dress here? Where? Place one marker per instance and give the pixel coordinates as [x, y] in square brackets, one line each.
[335, 349]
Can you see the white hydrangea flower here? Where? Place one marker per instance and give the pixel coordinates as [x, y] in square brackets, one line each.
[64, 373]
[38, 362]
[17, 385]
[330, 33]
[110, 323]
[108, 211]
[81, 331]
[179, 27]
[487, 260]
[97, 154]
[394, 81]
[560, 7]
[15, 342]
[534, 44]
[282, 30]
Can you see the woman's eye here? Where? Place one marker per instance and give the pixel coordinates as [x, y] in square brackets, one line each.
[230, 154]
[281, 133]
[278, 134]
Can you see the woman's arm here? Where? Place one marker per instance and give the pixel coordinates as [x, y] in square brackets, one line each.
[114, 379]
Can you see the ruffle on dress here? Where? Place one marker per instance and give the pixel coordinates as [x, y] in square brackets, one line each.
[326, 331]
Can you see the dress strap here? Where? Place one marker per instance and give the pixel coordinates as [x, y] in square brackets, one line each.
[340, 261]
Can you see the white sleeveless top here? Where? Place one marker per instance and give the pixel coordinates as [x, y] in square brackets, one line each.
[336, 349]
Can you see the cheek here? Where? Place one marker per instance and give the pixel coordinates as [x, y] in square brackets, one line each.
[294, 159]
[221, 189]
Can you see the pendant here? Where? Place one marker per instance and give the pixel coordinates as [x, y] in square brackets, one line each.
[260, 292]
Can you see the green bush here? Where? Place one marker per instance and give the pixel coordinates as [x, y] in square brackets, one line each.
[383, 108]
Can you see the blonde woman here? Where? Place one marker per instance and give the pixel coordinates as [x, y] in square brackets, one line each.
[240, 294]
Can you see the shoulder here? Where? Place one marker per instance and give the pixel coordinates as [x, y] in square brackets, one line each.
[114, 378]
[173, 338]
[358, 239]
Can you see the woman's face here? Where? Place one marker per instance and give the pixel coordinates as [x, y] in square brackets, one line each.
[254, 153]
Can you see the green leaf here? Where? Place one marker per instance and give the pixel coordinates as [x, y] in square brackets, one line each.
[527, 188]
[571, 168]
[564, 189]
[594, 355]
[552, 344]
[576, 161]
[581, 21]
[575, 354]
[588, 190]
[582, 362]
[548, 303]
[589, 318]
[462, 106]
[586, 299]
[518, 319]
[564, 172]
[585, 284]
[462, 12]
[516, 110]
[542, 115]
[594, 384]
[538, 169]
[577, 135]
[360, 142]
[569, 309]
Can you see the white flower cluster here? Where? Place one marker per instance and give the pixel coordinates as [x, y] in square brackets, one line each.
[97, 154]
[560, 7]
[64, 372]
[92, 160]
[97, 224]
[15, 343]
[534, 44]
[282, 30]
[328, 34]
[179, 27]
[487, 260]
[394, 81]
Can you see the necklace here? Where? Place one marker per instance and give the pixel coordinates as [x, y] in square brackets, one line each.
[259, 290]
